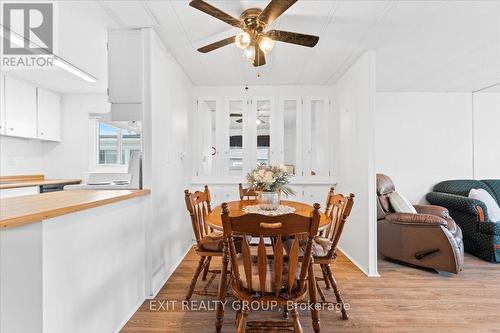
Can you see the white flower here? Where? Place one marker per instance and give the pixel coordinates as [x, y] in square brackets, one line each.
[261, 172]
[268, 177]
[282, 167]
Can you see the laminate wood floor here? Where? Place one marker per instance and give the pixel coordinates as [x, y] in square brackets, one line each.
[403, 299]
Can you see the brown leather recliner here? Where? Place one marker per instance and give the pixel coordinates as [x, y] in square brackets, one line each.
[428, 239]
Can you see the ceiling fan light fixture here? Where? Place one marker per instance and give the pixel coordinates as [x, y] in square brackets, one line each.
[266, 44]
[243, 40]
[249, 54]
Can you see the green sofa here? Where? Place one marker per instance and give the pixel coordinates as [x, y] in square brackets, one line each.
[481, 237]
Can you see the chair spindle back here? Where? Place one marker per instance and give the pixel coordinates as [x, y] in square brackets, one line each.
[247, 193]
[338, 210]
[198, 206]
[273, 277]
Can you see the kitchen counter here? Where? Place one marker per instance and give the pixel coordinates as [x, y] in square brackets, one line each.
[53, 243]
[9, 182]
[33, 208]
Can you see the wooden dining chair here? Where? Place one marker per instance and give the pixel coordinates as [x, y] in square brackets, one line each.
[338, 210]
[247, 193]
[270, 275]
[209, 243]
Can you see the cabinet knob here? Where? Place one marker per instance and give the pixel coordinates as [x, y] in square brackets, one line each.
[11, 128]
[41, 133]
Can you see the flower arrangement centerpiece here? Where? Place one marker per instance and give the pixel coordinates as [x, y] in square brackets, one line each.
[269, 181]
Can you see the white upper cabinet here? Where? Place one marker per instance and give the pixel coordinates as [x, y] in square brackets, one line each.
[49, 115]
[20, 108]
[2, 104]
[290, 134]
[28, 111]
[316, 143]
[125, 66]
[235, 119]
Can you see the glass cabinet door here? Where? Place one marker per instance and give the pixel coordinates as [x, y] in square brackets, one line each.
[263, 111]
[207, 137]
[290, 152]
[234, 157]
[317, 134]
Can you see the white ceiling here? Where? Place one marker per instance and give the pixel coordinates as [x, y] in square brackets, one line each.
[421, 45]
[81, 32]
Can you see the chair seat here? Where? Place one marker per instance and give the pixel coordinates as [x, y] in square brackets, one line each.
[269, 287]
[320, 246]
[214, 241]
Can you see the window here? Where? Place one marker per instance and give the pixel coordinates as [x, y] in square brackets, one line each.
[116, 145]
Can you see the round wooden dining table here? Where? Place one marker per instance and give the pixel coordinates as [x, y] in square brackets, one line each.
[236, 209]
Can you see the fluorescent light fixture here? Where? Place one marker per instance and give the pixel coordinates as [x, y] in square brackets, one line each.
[57, 61]
[63, 64]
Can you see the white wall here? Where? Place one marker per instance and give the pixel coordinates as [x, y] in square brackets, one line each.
[72, 157]
[93, 276]
[20, 156]
[486, 135]
[353, 111]
[167, 166]
[422, 139]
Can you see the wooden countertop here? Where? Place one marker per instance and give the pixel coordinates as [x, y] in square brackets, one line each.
[21, 210]
[27, 183]
[7, 182]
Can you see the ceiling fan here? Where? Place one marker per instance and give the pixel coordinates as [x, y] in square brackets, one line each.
[254, 41]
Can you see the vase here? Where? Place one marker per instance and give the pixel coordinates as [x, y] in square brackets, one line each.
[268, 200]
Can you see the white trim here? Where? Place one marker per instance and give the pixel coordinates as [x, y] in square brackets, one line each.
[357, 264]
[372, 189]
[236, 181]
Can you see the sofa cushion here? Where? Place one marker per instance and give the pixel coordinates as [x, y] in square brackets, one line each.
[489, 228]
[494, 185]
[460, 187]
[400, 204]
[489, 201]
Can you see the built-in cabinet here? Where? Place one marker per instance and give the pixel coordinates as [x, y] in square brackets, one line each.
[29, 112]
[126, 61]
[20, 108]
[49, 115]
[233, 134]
[307, 193]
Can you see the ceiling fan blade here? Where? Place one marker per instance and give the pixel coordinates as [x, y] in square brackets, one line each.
[239, 120]
[293, 37]
[260, 58]
[216, 45]
[273, 10]
[235, 115]
[215, 12]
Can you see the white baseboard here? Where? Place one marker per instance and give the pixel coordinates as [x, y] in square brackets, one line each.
[357, 264]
